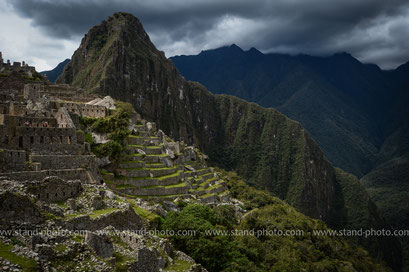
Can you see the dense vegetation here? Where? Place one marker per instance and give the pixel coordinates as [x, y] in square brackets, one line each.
[115, 126]
[261, 253]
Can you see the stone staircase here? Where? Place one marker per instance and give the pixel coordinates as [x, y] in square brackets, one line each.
[155, 167]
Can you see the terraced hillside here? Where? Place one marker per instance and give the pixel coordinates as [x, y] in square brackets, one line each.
[155, 167]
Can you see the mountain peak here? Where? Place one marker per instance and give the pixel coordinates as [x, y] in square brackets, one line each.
[235, 47]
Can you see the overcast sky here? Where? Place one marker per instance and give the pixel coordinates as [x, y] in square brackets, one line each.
[45, 32]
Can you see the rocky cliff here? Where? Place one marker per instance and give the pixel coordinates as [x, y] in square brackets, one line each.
[272, 152]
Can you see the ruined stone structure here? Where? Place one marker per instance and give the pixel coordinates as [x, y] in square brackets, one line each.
[38, 137]
[16, 66]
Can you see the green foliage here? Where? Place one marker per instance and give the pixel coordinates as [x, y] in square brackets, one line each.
[27, 264]
[226, 252]
[4, 75]
[115, 125]
[250, 196]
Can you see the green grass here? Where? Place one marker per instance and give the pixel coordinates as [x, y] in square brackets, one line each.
[145, 213]
[147, 146]
[78, 238]
[27, 264]
[162, 168]
[206, 195]
[61, 203]
[131, 161]
[120, 262]
[178, 266]
[97, 213]
[60, 247]
[169, 176]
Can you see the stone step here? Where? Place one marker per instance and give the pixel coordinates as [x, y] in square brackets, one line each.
[155, 165]
[181, 188]
[158, 172]
[133, 157]
[216, 189]
[140, 140]
[167, 197]
[203, 171]
[155, 158]
[135, 140]
[203, 178]
[209, 198]
[149, 150]
[132, 164]
[134, 172]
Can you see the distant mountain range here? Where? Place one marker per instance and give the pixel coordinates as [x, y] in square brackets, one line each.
[53, 74]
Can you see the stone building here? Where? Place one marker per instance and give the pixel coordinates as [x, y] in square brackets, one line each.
[38, 137]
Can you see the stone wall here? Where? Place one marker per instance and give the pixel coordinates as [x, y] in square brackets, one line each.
[52, 189]
[66, 174]
[85, 109]
[32, 91]
[15, 209]
[12, 160]
[46, 139]
[64, 161]
[30, 121]
[122, 220]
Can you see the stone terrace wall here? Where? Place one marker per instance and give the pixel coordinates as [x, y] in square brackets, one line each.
[66, 174]
[12, 160]
[64, 161]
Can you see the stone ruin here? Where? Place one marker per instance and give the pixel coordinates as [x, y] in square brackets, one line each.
[39, 135]
[7, 67]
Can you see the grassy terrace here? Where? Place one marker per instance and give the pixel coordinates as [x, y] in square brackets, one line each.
[208, 181]
[143, 212]
[131, 161]
[148, 146]
[182, 184]
[178, 266]
[162, 168]
[27, 264]
[206, 195]
[147, 155]
[141, 137]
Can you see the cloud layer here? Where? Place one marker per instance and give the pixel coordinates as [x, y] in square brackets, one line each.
[374, 31]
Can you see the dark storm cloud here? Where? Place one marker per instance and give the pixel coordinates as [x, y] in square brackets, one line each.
[373, 30]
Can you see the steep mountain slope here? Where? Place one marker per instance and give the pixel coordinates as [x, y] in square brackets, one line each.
[388, 183]
[337, 98]
[53, 74]
[272, 152]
